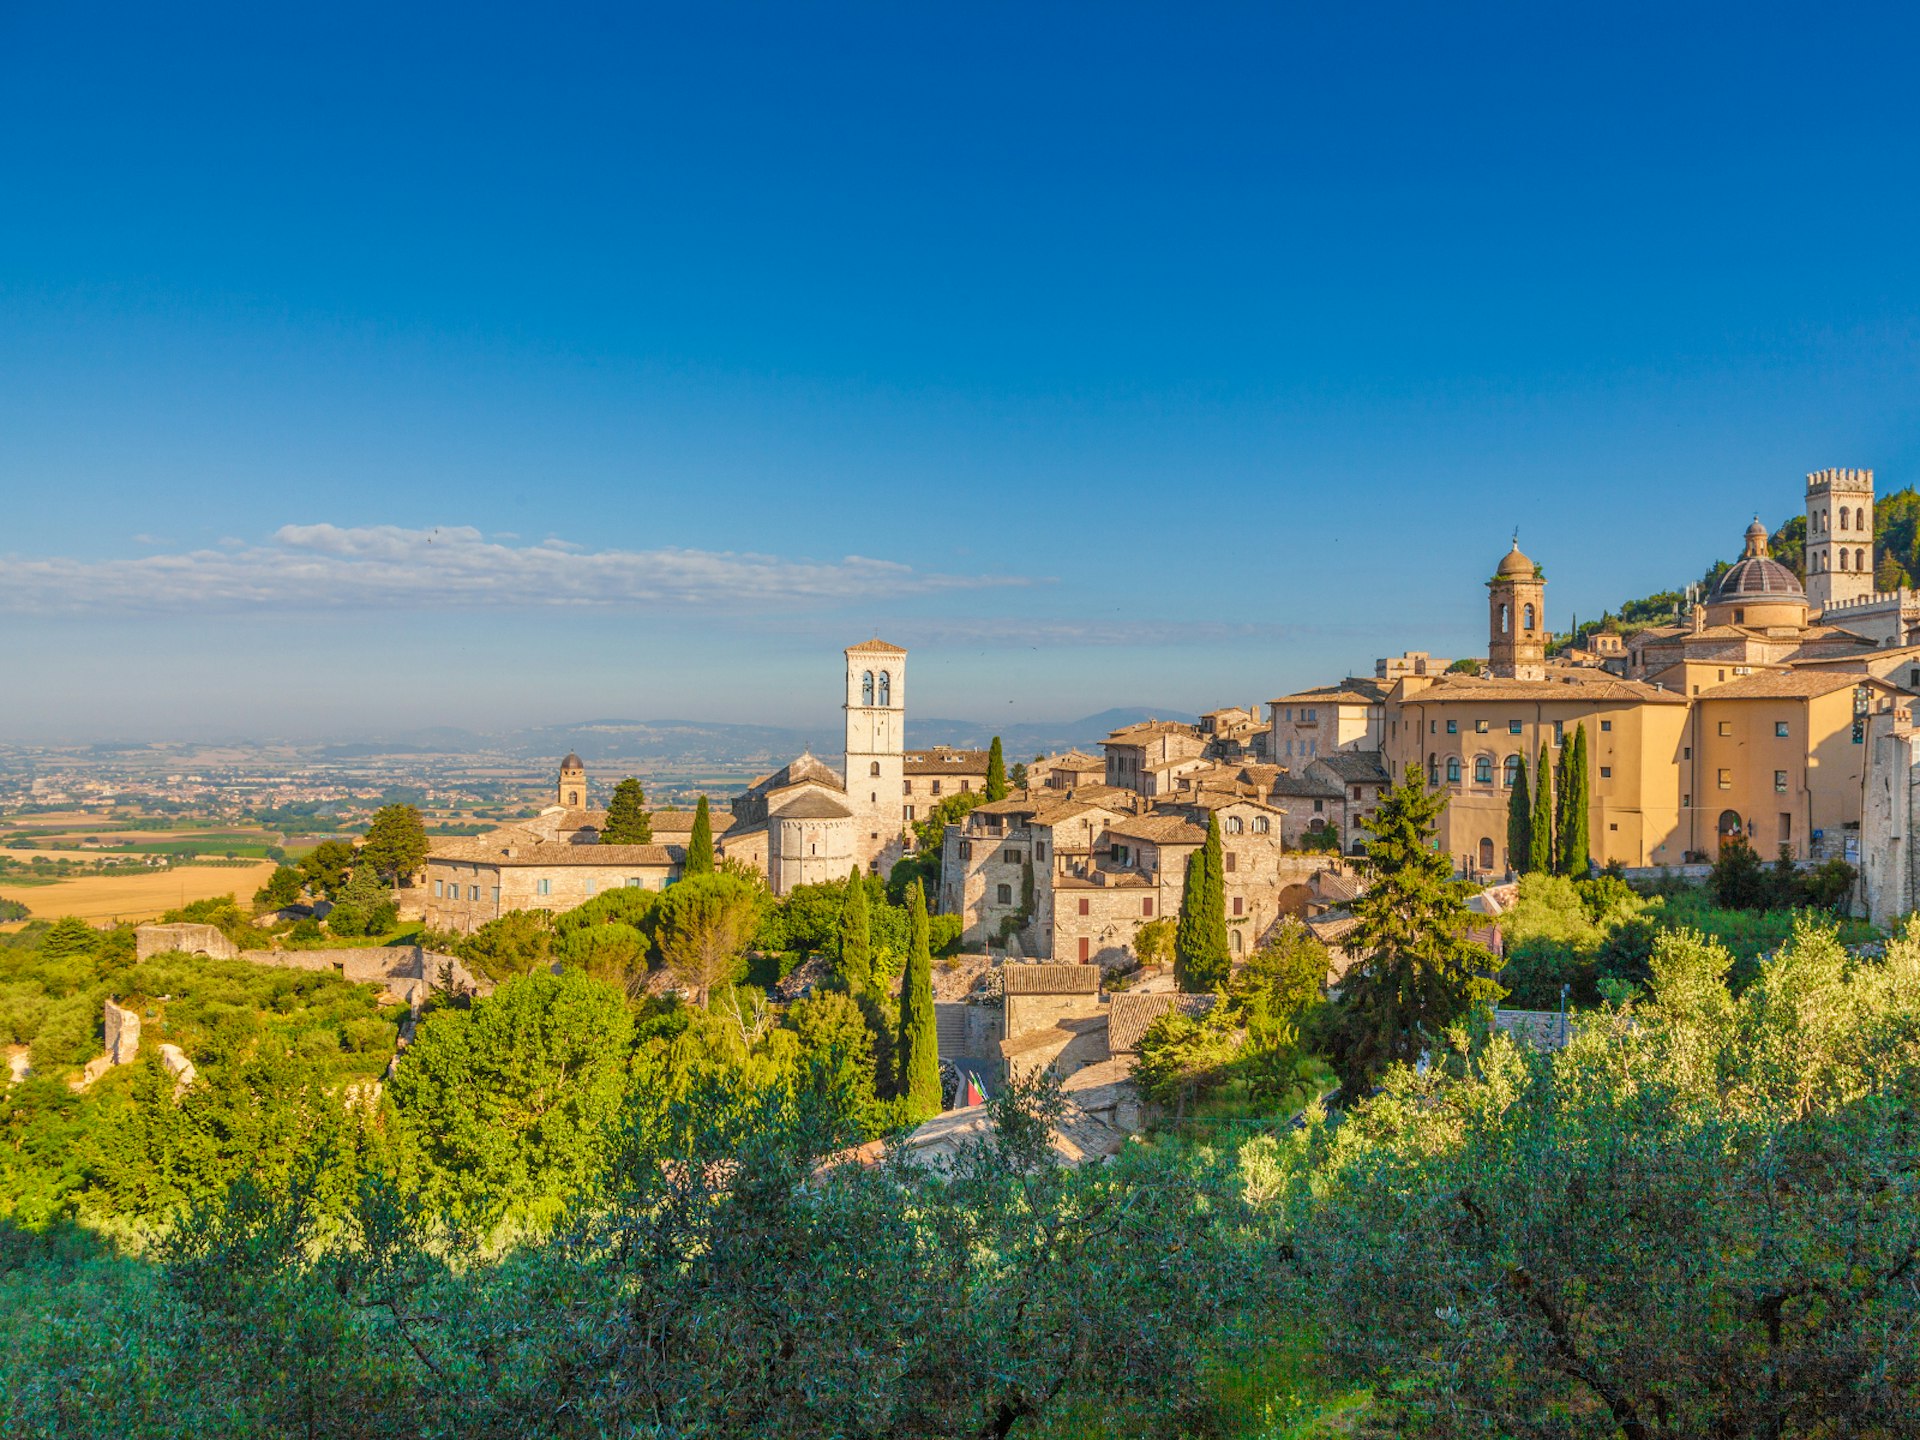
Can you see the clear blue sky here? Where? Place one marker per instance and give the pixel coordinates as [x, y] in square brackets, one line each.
[364, 367]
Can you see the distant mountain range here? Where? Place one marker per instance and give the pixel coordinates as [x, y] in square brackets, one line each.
[692, 741]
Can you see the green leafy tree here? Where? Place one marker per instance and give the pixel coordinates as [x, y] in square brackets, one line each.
[1153, 942]
[705, 924]
[281, 890]
[1519, 822]
[1571, 839]
[700, 843]
[512, 1101]
[1417, 973]
[996, 772]
[628, 820]
[325, 867]
[854, 966]
[1017, 776]
[1183, 1057]
[1540, 833]
[1201, 959]
[365, 906]
[396, 844]
[516, 943]
[836, 1056]
[919, 1050]
[930, 833]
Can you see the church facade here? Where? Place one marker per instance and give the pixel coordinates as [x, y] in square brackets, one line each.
[802, 824]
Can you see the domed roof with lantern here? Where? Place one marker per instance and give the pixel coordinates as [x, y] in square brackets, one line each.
[1515, 566]
[1757, 575]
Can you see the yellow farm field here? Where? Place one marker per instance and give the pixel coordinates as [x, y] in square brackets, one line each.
[139, 896]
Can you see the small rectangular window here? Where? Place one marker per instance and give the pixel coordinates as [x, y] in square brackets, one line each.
[543, 887]
[1780, 782]
[1479, 727]
[473, 892]
[1146, 907]
[1726, 779]
[1786, 826]
[1011, 857]
[1606, 725]
[1453, 727]
[1781, 730]
[1085, 905]
[1239, 905]
[1606, 772]
[437, 890]
[1513, 727]
[1726, 727]
[1686, 752]
[1039, 849]
[1231, 859]
[496, 894]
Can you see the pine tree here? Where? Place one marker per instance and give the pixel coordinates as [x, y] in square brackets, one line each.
[1570, 848]
[699, 844]
[1200, 957]
[919, 1049]
[1540, 853]
[1519, 822]
[856, 938]
[996, 772]
[1417, 973]
[628, 822]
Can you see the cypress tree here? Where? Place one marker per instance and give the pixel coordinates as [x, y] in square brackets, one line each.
[1417, 974]
[1200, 957]
[628, 822]
[919, 1048]
[1572, 847]
[1519, 823]
[699, 844]
[996, 772]
[1540, 856]
[856, 938]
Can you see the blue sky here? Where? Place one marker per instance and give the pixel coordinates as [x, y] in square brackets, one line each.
[491, 366]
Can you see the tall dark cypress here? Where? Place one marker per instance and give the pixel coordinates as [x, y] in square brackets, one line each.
[1571, 849]
[855, 969]
[1200, 955]
[919, 1049]
[1519, 822]
[700, 843]
[996, 772]
[1540, 861]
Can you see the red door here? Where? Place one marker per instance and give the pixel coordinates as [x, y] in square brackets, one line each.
[1084, 942]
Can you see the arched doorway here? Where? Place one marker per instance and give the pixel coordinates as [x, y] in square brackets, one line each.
[1486, 855]
[1731, 827]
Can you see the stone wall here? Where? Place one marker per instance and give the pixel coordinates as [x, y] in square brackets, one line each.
[151, 940]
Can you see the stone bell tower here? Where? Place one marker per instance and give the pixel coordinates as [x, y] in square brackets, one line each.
[1517, 618]
[572, 792]
[1840, 557]
[876, 709]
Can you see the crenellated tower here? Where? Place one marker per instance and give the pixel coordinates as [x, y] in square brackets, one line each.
[1840, 558]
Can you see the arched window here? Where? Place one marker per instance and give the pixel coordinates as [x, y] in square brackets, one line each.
[874, 769]
[1260, 826]
[1453, 770]
[1506, 621]
[1510, 772]
[1859, 559]
[866, 688]
[1526, 617]
[1238, 942]
[1843, 559]
[886, 688]
[1482, 770]
[1235, 825]
[1843, 517]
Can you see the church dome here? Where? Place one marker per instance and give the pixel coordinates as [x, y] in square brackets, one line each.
[1514, 565]
[572, 762]
[1757, 576]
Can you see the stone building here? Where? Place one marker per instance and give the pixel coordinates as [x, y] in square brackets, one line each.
[1324, 721]
[1147, 758]
[940, 773]
[876, 711]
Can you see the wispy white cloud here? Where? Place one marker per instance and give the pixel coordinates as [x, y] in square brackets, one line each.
[328, 567]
